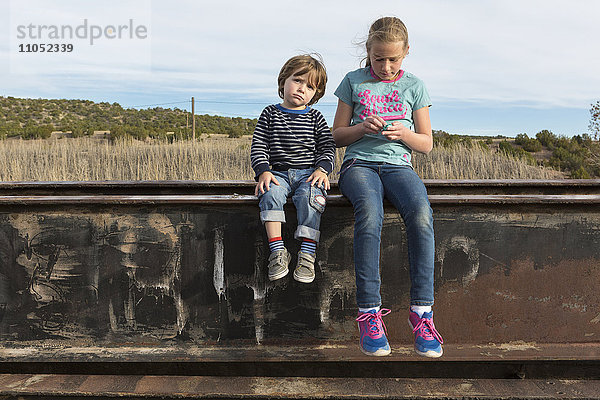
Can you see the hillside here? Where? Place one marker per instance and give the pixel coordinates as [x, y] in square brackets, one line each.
[38, 118]
[576, 157]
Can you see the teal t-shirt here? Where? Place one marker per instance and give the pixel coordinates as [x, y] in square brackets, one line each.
[391, 100]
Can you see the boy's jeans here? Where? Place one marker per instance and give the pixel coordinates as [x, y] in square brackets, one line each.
[366, 184]
[309, 201]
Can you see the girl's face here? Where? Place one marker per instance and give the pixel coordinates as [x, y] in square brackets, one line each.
[386, 59]
[298, 91]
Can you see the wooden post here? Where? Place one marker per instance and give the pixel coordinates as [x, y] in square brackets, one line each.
[193, 122]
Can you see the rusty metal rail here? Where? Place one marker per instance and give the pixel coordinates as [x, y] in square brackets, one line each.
[58, 387]
[182, 199]
[482, 192]
[434, 186]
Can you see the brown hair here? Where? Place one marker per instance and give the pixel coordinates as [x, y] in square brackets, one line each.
[386, 30]
[300, 65]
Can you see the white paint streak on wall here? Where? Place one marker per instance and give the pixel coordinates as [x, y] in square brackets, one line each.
[259, 291]
[219, 269]
[182, 314]
[259, 320]
[339, 281]
[112, 317]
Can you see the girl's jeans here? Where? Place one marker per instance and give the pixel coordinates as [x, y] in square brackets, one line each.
[309, 201]
[366, 184]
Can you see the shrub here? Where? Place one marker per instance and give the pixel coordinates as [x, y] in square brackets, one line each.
[546, 138]
[517, 152]
[580, 173]
[529, 145]
[38, 132]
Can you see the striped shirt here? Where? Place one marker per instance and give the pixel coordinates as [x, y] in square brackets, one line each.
[285, 139]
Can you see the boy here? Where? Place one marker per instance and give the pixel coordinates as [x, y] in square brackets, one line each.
[292, 153]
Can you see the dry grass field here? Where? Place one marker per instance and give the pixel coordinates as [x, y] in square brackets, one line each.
[213, 158]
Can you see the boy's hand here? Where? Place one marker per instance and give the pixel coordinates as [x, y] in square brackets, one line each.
[264, 182]
[320, 178]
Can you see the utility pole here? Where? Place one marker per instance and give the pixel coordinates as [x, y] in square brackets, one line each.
[193, 123]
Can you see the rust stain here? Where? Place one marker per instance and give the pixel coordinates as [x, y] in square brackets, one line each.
[541, 305]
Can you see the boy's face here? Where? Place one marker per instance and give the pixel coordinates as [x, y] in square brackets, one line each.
[298, 91]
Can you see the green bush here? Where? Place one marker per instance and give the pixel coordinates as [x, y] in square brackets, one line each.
[446, 140]
[529, 145]
[508, 149]
[580, 173]
[37, 132]
[546, 138]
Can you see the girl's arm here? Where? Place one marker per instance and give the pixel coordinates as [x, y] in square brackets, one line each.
[421, 139]
[344, 134]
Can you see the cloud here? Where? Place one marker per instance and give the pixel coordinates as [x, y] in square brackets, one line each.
[513, 51]
[534, 53]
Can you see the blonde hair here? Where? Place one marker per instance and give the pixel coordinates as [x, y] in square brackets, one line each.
[305, 64]
[386, 30]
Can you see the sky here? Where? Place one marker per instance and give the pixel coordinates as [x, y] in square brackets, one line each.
[491, 68]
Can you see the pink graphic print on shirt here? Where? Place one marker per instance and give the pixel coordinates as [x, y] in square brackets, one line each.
[382, 105]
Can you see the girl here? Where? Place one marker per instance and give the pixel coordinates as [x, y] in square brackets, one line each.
[382, 116]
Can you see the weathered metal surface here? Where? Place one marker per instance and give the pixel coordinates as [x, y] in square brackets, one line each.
[206, 387]
[144, 269]
[236, 199]
[434, 186]
[334, 360]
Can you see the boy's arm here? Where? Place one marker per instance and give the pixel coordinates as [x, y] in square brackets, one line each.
[259, 149]
[325, 146]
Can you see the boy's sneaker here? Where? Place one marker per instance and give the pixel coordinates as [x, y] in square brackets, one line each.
[305, 269]
[372, 333]
[428, 342]
[278, 264]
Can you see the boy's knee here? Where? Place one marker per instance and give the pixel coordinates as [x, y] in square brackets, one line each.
[310, 197]
[275, 197]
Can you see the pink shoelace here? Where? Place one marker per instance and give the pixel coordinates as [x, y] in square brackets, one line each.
[427, 329]
[374, 322]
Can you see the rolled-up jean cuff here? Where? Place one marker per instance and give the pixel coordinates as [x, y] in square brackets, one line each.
[421, 303]
[272, 216]
[307, 233]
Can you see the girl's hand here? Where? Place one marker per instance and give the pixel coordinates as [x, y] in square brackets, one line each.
[320, 178]
[396, 131]
[264, 181]
[373, 124]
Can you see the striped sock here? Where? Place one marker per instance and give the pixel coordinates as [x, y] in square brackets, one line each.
[276, 243]
[308, 246]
